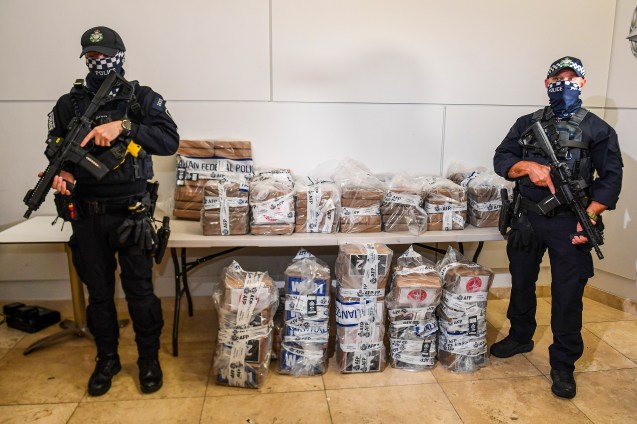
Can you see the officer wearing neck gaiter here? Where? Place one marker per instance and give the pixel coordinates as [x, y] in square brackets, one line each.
[109, 207]
[590, 149]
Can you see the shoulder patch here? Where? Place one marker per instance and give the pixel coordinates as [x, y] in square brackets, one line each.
[159, 104]
[51, 121]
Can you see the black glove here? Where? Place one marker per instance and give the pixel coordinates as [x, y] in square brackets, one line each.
[522, 236]
[137, 230]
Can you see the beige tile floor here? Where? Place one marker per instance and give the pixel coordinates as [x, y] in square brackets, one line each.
[49, 386]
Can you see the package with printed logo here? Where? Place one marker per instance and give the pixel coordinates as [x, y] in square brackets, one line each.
[402, 206]
[306, 325]
[317, 205]
[272, 203]
[361, 196]
[245, 303]
[484, 198]
[414, 294]
[199, 161]
[362, 271]
[225, 209]
[462, 344]
[446, 206]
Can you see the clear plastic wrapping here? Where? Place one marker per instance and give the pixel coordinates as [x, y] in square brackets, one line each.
[462, 345]
[362, 271]
[245, 303]
[318, 202]
[361, 196]
[225, 209]
[414, 294]
[446, 206]
[401, 208]
[272, 203]
[201, 160]
[307, 310]
[484, 198]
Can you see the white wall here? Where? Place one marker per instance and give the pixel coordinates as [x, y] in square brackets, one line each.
[402, 85]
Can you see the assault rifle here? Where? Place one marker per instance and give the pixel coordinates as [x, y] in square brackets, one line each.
[60, 151]
[567, 191]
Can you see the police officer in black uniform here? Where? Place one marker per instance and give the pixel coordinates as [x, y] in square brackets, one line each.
[588, 145]
[113, 211]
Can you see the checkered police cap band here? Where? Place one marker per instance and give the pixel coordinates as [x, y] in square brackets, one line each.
[106, 63]
[567, 62]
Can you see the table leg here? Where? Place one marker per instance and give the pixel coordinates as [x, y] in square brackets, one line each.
[76, 327]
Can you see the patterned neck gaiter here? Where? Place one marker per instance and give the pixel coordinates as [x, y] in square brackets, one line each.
[564, 98]
[98, 70]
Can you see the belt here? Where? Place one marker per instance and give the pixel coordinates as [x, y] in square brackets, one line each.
[529, 205]
[92, 207]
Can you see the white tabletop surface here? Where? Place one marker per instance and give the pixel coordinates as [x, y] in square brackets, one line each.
[188, 234]
[37, 230]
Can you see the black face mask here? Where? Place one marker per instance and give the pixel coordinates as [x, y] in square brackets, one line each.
[100, 68]
[564, 98]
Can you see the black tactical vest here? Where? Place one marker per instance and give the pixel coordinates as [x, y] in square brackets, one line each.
[574, 150]
[133, 168]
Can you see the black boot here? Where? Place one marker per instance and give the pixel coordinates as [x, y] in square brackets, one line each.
[508, 347]
[107, 366]
[563, 384]
[150, 375]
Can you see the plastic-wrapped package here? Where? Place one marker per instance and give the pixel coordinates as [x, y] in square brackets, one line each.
[446, 206]
[484, 198]
[307, 310]
[458, 171]
[362, 271]
[225, 209]
[414, 294]
[201, 160]
[361, 196]
[245, 303]
[462, 344]
[401, 209]
[272, 203]
[317, 205]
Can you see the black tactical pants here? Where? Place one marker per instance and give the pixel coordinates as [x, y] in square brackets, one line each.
[571, 266]
[94, 245]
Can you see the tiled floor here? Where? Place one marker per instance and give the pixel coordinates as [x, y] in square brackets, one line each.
[49, 386]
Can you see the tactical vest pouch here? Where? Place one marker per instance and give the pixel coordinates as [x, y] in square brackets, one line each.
[66, 207]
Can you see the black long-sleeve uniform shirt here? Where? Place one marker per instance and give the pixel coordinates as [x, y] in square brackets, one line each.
[155, 131]
[604, 151]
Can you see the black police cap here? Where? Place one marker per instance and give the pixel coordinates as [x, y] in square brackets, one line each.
[569, 62]
[103, 40]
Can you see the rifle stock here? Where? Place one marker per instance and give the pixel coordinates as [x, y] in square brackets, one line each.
[67, 150]
[567, 191]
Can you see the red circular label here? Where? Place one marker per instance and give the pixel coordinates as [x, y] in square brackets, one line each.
[474, 284]
[417, 295]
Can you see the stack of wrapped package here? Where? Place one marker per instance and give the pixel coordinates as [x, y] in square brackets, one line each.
[361, 196]
[307, 312]
[199, 161]
[272, 203]
[484, 198]
[245, 303]
[317, 205]
[362, 271]
[446, 206]
[414, 293]
[462, 345]
[225, 208]
[401, 209]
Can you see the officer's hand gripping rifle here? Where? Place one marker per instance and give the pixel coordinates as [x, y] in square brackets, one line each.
[567, 191]
[62, 150]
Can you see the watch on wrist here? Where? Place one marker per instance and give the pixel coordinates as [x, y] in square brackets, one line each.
[127, 126]
[592, 216]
